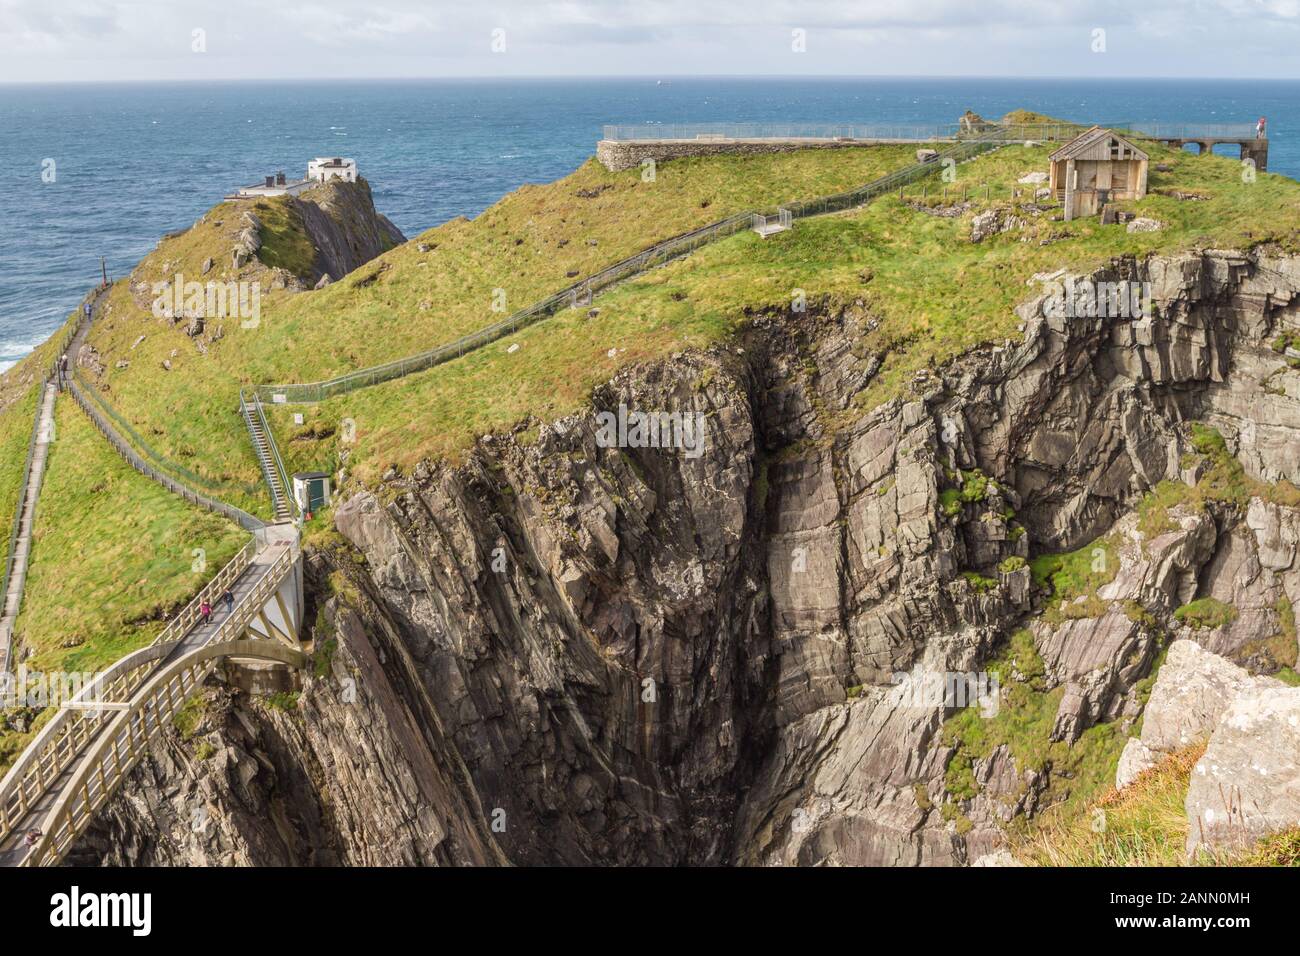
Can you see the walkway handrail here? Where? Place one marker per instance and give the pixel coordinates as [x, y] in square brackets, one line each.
[18, 519]
[243, 518]
[249, 410]
[46, 756]
[161, 463]
[151, 712]
[581, 291]
[62, 739]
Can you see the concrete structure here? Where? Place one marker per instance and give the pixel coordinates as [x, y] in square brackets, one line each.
[277, 185]
[1253, 148]
[615, 155]
[319, 170]
[98, 735]
[323, 169]
[311, 490]
[1094, 168]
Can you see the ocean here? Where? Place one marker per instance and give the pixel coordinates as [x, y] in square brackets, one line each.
[131, 162]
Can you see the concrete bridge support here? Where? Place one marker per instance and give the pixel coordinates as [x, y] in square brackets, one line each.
[1252, 149]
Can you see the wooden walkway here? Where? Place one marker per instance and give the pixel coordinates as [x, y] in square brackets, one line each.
[31, 492]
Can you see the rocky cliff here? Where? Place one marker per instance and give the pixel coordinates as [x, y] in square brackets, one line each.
[561, 652]
[341, 220]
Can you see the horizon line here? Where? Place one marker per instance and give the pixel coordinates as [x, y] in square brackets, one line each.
[642, 76]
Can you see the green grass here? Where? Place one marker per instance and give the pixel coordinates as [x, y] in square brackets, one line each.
[1143, 825]
[1206, 612]
[1027, 712]
[1076, 574]
[935, 294]
[16, 421]
[407, 300]
[112, 555]
[284, 242]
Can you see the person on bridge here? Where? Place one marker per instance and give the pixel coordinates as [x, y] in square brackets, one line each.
[229, 600]
[1261, 128]
[33, 836]
[205, 612]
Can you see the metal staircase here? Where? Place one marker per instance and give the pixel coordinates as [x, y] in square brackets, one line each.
[268, 456]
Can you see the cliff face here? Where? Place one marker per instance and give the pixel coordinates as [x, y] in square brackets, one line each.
[341, 220]
[566, 653]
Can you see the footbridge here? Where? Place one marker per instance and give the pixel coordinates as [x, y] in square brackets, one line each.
[98, 734]
[50, 795]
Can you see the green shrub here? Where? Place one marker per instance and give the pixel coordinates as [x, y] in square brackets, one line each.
[1206, 612]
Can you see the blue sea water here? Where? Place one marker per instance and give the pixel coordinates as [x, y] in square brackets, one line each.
[133, 161]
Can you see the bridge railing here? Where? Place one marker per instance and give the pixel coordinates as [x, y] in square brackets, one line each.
[150, 712]
[61, 740]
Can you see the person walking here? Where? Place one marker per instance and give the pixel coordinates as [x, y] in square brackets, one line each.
[229, 600]
[1260, 128]
[205, 612]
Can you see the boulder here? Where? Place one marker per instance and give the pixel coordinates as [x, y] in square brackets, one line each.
[323, 281]
[926, 155]
[1191, 693]
[1034, 178]
[1247, 785]
[1143, 224]
[1193, 690]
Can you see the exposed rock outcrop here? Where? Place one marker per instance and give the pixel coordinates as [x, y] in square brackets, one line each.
[645, 655]
[1247, 786]
[344, 227]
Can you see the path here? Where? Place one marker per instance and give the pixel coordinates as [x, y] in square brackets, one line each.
[22, 548]
[40, 780]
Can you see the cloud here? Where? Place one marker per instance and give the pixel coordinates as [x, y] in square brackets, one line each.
[150, 39]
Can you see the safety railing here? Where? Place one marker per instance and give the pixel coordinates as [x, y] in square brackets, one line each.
[581, 292]
[268, 458]
[162, 695]
[7, 636]
[62, 738]
[51, 371]
[243, 518]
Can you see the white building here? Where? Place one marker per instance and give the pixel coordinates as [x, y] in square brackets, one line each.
[319, 170]
[323, 169]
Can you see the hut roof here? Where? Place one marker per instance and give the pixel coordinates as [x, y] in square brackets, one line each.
[1095, 143]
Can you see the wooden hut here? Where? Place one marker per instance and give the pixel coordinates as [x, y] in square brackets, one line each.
[1095, 167]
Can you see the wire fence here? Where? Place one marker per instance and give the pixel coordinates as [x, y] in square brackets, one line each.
[581, 293]
[243, 518]
[704, 132]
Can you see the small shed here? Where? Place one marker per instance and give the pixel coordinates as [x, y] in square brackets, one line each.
[311, 489]
[1095, 167]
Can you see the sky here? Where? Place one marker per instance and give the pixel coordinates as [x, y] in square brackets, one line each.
[178, 40]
